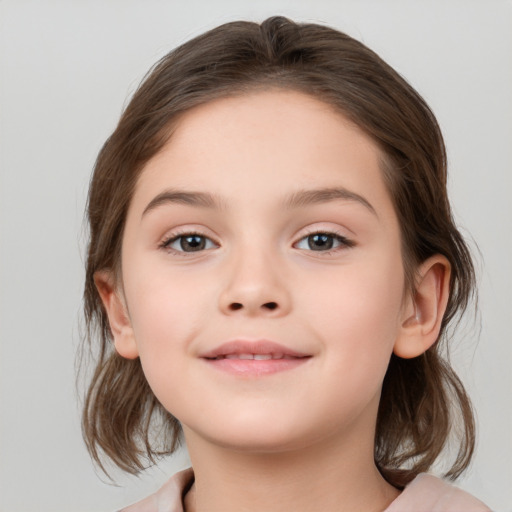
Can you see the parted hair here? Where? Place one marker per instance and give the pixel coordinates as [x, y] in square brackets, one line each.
[422, 398]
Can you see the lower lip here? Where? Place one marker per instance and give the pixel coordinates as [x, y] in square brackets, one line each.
[256, 367]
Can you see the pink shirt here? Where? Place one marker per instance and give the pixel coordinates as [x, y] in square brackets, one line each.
[425, 493]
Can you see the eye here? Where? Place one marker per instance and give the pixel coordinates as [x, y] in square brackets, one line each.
[189, 242]
[323, 241]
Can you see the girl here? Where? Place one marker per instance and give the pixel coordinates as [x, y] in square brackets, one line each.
[272, 268]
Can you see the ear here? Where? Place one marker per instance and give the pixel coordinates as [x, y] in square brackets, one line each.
[119, 320]
[424, 311]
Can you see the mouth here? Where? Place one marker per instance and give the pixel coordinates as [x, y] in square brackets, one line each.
[257, 357]
[254, 358]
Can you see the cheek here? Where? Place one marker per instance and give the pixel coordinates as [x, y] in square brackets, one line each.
[358, 314]
[167, 312]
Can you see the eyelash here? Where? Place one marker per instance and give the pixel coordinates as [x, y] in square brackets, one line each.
[174, 237]
[344, 242]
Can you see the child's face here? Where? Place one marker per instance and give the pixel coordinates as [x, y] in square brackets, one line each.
[242, 177]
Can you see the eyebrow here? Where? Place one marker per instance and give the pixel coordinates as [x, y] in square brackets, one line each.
[296, 200]
[200, 199]
[323, 195]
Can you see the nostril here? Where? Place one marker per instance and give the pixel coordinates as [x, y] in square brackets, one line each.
[235, 306]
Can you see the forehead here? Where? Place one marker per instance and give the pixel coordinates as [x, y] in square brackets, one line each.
[265, 143]
[273, 119]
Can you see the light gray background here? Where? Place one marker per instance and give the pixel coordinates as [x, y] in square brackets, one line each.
[68, 67]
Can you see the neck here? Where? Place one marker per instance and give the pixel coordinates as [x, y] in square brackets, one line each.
[328, 476]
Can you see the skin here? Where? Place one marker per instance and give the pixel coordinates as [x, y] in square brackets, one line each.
[255, 441]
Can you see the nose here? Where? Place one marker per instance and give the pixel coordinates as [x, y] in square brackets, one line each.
[255, 285]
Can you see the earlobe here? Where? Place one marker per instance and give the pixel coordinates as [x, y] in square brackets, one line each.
[424, 312]
[117, 313]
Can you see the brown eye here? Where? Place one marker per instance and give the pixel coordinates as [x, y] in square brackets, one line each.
[323, 242]
[189, 243]
[320, 242]
[192, 243]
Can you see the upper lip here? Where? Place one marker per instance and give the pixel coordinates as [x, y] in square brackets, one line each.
[237, 347]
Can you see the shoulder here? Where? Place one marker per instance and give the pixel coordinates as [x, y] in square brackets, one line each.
[169, 498]
[426, 493]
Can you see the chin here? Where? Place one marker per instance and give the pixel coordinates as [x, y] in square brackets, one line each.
[260, 438]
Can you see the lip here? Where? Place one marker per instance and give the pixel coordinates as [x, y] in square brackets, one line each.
[237, 357]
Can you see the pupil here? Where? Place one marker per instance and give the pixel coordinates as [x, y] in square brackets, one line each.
[192, 243]
[320, 242]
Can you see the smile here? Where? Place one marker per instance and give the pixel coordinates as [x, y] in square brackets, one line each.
[257, 357]
[250, 359]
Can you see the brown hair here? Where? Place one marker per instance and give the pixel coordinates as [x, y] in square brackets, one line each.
[421, 397]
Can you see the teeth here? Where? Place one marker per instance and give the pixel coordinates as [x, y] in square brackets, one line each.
[258, 357]
[262, 357]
